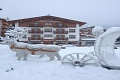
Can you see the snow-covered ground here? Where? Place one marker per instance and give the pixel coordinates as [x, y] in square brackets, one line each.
[40, 69]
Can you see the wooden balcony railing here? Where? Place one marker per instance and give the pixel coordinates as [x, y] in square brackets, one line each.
[63, 26]
[60, 32]
[4, 26]
[65, 38]
[4, 30]
[4, 23]
[33, 31]
[35, 38]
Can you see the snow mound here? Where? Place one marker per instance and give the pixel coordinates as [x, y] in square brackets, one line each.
[34, 46]
[51, 47]
[21, 44]
[97, 30]
[44, 47]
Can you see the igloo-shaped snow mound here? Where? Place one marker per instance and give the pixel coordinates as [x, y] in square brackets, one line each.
[104, 48]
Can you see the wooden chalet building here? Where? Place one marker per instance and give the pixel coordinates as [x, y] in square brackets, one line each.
[86, 36]
[51, 30]
[3, 26]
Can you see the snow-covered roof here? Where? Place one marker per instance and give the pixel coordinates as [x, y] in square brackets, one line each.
[85, 26]
[88, 39]
[110, 30]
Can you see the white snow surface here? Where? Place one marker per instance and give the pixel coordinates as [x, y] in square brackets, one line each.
[109, 31]
[45, 47]
[97, 30]
[33, 46]
[51, 47]
[20, 44]
[36, 68]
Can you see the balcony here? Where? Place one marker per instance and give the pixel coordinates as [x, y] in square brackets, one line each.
[60, 32]
[33, 31]
[35, 38]
[60, 26]
[4, 30]
[65, 38]
[4, 26]
[5, 23]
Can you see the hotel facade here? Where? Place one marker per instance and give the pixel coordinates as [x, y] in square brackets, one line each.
[52, 30]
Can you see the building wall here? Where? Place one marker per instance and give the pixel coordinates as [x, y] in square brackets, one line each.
[69, 32]
[86, 36]
[3, 27]
[54, 35]
[61, 29]
[0, 27]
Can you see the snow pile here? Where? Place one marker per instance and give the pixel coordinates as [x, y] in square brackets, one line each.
[34, 46]
[97, 30]
[110, 30]
[51, 47]
[43, 47]
[20, 44]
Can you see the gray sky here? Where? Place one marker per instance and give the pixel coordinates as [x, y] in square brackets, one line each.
[94, 12]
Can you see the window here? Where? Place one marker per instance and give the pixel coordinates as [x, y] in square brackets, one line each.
[72, 36]
[35, 24]
[35, 36]
[59, 36]
[47, 35]
[47, 30]
[72, 30]
[83, 29]
[47, 24]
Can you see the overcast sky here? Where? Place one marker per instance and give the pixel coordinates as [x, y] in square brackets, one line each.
[94, 12]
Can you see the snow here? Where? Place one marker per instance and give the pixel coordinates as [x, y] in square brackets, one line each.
[85, 26]
[45, 47]
[97, 30]
[41, 69]
[34, 46]
[51, 47]
[106, 47]
[20, 44]
[88, 39]
[109, 31]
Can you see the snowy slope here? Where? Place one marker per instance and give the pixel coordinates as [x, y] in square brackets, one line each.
[41, 69]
